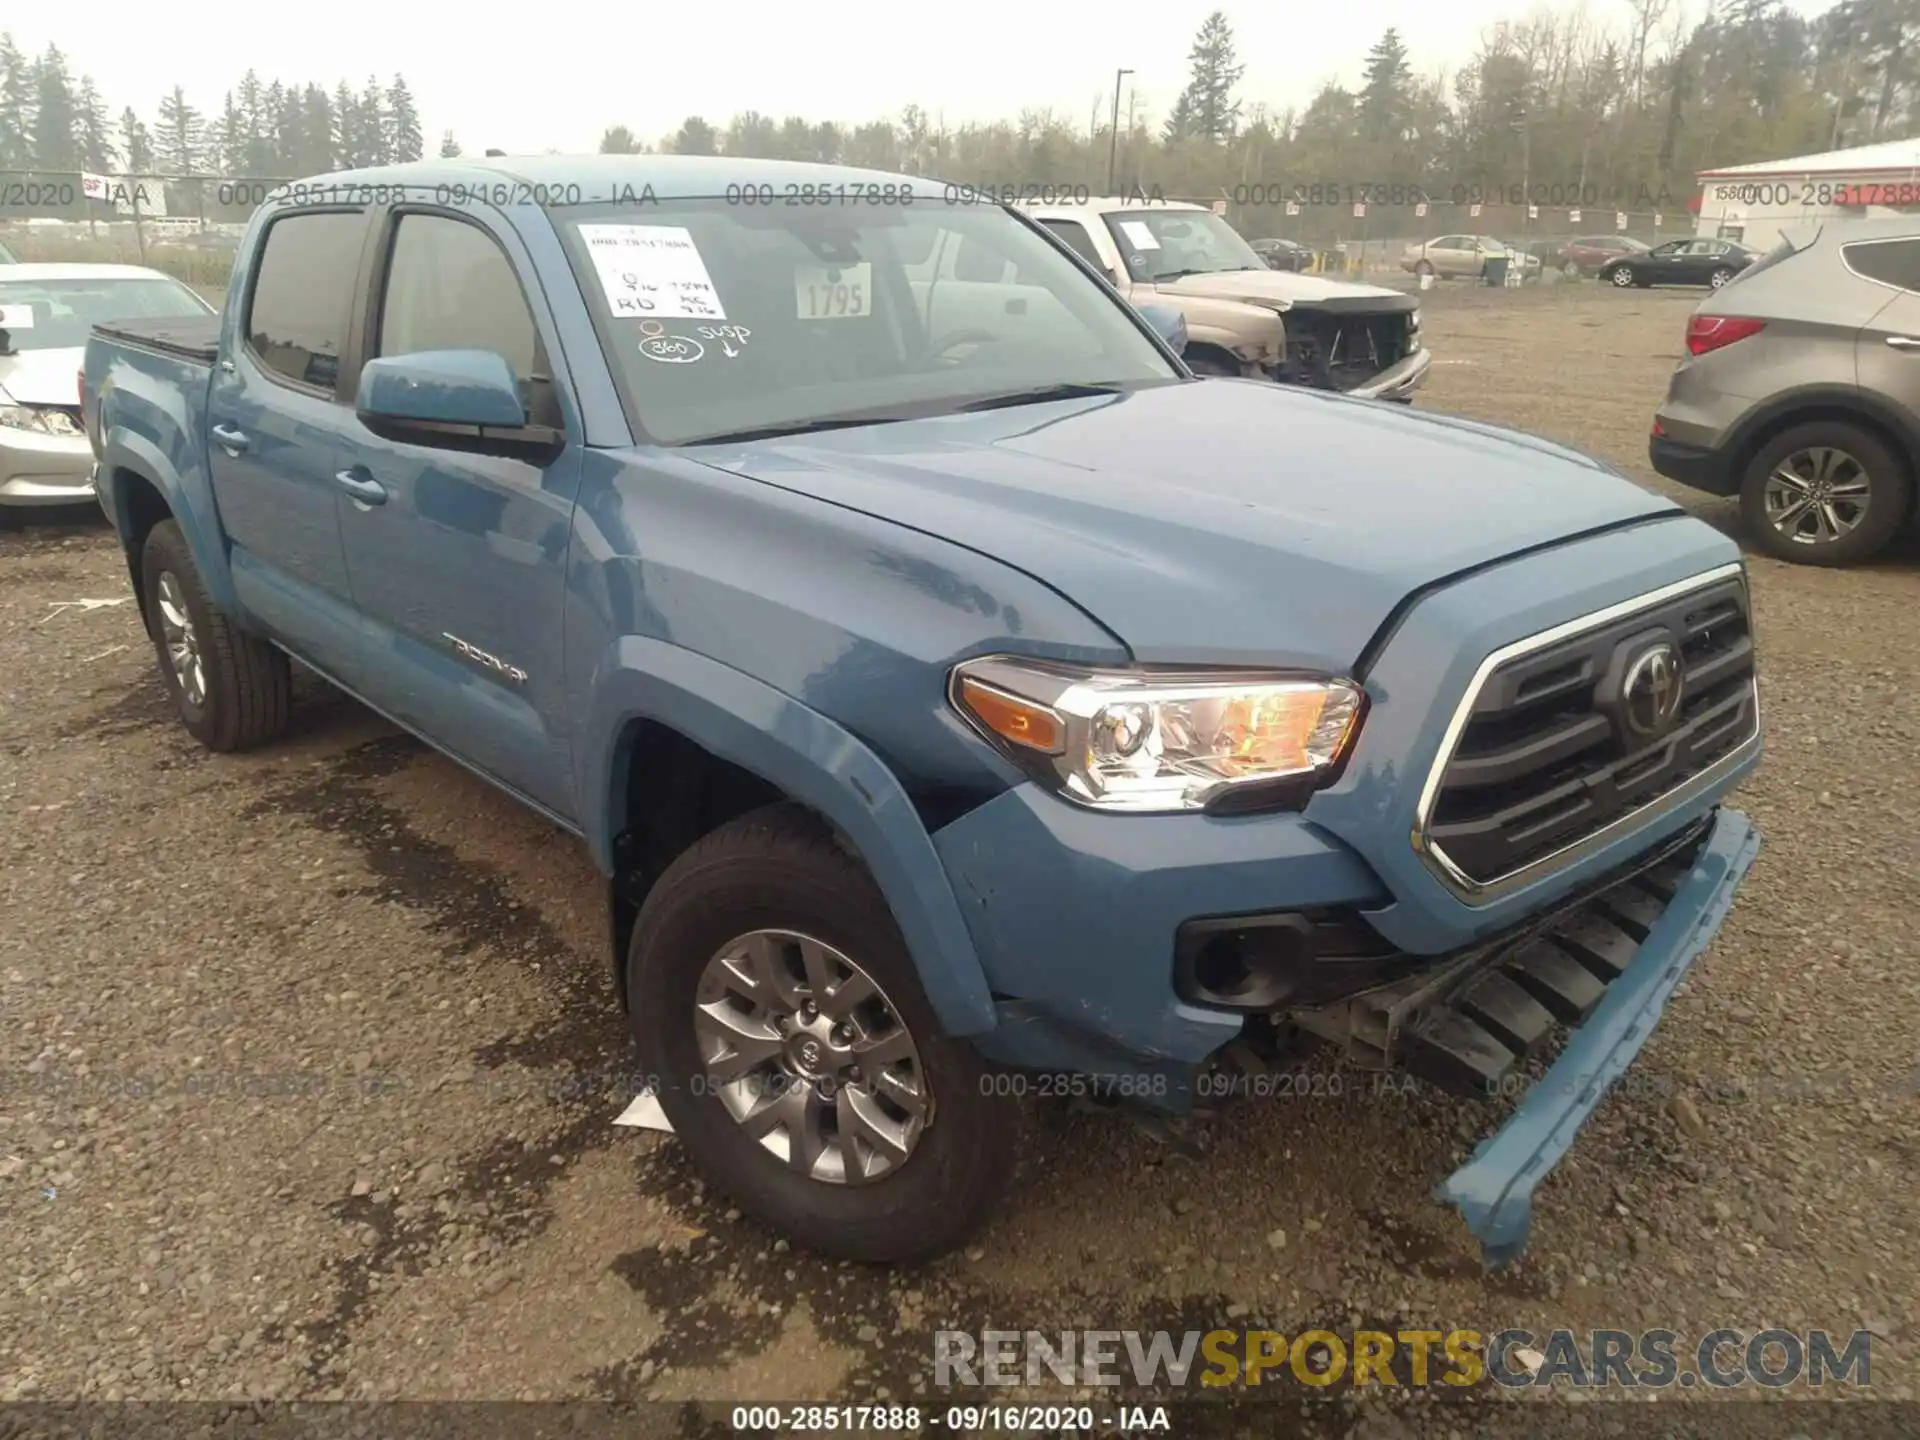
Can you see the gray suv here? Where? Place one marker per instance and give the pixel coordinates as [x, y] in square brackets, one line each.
[1800, 392]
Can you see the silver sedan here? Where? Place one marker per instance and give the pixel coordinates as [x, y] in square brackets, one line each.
[46, 313]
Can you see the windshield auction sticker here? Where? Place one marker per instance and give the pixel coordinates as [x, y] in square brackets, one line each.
[652, 271]
[16, 317]
[1139, 234]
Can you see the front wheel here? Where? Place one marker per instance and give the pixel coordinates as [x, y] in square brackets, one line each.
[1623, 277]
[1825, 493]
[797, 1056]
[233, 690]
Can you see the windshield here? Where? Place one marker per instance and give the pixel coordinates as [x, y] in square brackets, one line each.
[1164, 245]
[58, 314]
[730, 321]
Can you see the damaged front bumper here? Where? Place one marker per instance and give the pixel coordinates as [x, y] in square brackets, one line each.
[1494, 1190]
[1397, 381]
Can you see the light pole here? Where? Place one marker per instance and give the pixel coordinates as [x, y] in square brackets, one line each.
[1113, 136]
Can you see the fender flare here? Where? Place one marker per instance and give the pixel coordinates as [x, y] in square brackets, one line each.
[122, 449]
[812, 759]
[1787, 406]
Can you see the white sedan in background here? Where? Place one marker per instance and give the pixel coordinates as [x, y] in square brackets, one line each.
[46, 313]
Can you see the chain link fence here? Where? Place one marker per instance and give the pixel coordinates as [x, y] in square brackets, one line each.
[186, 225]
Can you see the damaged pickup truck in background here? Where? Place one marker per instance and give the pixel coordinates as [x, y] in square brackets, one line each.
[1243, 317]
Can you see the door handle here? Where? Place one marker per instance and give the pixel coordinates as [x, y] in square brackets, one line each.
[1904, 342]
[233, 441]
[362, 487]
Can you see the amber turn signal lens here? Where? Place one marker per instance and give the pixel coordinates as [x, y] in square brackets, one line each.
[1021, 722]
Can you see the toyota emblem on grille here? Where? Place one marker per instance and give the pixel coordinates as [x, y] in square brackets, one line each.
[1651, 693]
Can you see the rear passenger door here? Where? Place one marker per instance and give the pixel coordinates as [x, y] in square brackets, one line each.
[1887, 351]
[276, 426]
[467, 550]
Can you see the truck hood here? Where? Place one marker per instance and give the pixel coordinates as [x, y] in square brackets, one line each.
[42, 377]
[1286, 289]
[1214, 521]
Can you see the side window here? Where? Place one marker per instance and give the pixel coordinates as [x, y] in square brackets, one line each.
[451, 287]
[1077, 239]
[297, 316]
[1450, 242]
[1891, 262]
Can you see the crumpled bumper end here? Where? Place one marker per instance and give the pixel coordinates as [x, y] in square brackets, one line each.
[1494, 1190]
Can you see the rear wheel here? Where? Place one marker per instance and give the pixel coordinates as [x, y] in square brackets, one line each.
[1571, 270]
[1425, 267]
[797, 1056]
[233, 690]
[1825, 493]
[1719, 278]
[1623, 278]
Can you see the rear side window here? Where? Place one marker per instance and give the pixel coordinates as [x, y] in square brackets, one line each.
[297, 318]
[1080, 242]
[1891, 262]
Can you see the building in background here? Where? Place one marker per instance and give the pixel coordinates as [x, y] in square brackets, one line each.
[1754, 203]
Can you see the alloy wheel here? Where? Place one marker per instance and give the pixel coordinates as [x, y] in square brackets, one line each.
[1623, 277]
[182, 641]
[1817, 495]
[809, 1057]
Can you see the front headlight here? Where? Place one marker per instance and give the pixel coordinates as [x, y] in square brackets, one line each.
[40, 422]
[1162, 741]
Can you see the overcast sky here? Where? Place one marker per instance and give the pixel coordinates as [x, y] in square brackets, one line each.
[562, 70]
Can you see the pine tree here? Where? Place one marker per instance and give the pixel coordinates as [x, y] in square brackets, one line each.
[348, 148]
[180, 145]
[135, 143]
[1211, 113]
[16, 107]
[92, 128]
[1384, 99]
[404, 119]
[319, 149]
[289, 129]
[229, 142]
[56, 146]
[449, 147]
[1179, 124]
[376, 130]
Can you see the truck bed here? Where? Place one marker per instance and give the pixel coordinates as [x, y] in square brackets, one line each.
[196, 339]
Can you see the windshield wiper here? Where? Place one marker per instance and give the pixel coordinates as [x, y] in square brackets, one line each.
[796, 427]
[1040, 394]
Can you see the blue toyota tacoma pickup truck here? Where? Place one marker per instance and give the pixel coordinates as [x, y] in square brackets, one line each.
[952, 687]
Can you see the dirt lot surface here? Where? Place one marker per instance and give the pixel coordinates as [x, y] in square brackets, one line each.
[309, 1059]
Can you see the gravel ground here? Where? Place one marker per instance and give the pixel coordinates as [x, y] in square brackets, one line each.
[309, 1058]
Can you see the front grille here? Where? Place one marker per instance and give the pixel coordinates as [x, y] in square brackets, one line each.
[1546, 757]
[1342, 352]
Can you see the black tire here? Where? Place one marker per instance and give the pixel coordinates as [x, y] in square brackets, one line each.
[248, 685]
[778, 868]
[1890, 494]
[1211, 367]
[1719, 278]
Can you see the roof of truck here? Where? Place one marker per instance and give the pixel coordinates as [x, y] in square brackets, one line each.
[604, 176]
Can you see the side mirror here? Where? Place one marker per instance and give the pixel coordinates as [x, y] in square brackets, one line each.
[442, 387]
[1169, 323]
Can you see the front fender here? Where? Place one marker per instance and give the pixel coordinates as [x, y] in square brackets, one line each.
[810, 758]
